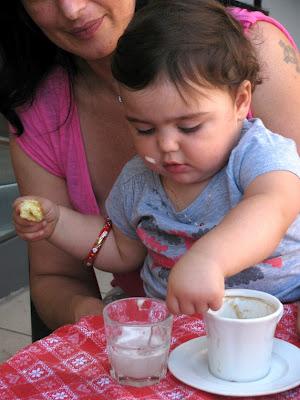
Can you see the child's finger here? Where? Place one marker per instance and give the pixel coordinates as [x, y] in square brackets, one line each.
[33, 236]
[186, 307]
[16, 210]
[23, 232]
[35, 227]
[201, 308]
[173, 305]
[216, 304]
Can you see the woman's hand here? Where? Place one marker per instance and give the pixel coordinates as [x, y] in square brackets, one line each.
[35, 230]
[195, 284]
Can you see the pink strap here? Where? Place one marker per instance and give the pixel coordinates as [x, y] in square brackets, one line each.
[248, 18]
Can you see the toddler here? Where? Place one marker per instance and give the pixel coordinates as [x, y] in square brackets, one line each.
[212, 199]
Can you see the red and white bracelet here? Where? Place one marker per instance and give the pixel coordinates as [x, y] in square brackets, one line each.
[90, 258]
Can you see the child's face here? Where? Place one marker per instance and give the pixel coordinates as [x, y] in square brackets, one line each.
[187, 140]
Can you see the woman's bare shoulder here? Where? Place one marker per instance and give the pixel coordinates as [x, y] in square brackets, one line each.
[277, 100]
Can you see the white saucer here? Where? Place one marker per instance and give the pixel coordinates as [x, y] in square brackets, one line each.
[188, 363]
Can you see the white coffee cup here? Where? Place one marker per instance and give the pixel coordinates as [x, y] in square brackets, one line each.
[240, 335]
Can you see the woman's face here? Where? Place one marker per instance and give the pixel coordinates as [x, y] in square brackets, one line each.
[87, 28]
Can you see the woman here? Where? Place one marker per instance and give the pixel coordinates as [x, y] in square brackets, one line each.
[59, 67]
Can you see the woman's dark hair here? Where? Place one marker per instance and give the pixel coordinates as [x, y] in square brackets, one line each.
[189, 42]
[241, 4]
[27, 57]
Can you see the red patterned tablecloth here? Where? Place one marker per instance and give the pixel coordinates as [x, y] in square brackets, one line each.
[72, 364]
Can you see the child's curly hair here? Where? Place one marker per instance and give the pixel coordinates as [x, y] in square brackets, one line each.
[191, 42]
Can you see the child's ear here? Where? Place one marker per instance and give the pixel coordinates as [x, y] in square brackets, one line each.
[243, 99]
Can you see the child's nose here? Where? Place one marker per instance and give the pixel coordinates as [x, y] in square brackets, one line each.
[168, 142]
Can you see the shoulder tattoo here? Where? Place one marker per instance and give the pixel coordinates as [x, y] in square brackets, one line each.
[290, 55]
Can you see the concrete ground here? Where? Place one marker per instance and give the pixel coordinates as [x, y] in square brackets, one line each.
[15, 326]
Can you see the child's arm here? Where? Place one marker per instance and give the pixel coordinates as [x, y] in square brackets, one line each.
[247, 235]
[75, 233]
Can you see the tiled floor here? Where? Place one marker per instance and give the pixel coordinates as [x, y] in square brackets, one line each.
[14, 323]
[15, 327]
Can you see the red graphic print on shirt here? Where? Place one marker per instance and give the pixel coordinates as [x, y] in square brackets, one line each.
[275, 262]
[150, 242]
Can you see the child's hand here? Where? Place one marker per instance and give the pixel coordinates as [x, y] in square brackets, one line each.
[35, 230]
[195, 285]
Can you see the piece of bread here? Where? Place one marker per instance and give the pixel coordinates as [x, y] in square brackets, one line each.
[31, 210]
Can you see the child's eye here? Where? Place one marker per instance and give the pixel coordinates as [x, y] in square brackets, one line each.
[191, 129]
[145, 131]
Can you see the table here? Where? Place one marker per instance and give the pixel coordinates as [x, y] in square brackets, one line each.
[71, 363]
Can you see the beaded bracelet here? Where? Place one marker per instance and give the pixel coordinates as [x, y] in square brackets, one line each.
[90, 258]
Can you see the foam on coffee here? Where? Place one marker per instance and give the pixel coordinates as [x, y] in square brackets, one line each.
[243, 307]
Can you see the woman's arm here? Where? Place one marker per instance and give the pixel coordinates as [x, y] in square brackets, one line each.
[277, 100]
[61, 288]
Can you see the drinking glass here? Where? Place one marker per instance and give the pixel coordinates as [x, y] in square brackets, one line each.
[138, 334]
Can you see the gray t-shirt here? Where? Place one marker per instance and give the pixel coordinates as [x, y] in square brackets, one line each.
[139, 207]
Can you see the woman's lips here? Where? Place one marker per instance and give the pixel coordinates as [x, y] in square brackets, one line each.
[88, 30]
[175, 168]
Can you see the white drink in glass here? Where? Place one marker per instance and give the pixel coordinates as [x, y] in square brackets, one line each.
[138, 333]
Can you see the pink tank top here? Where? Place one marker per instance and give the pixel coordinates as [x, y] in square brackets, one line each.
[248, 18]
[53, 139]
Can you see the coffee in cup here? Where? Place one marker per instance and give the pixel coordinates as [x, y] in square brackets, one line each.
[244, 307]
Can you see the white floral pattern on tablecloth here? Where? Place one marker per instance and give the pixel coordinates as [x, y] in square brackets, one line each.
[72, 364]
